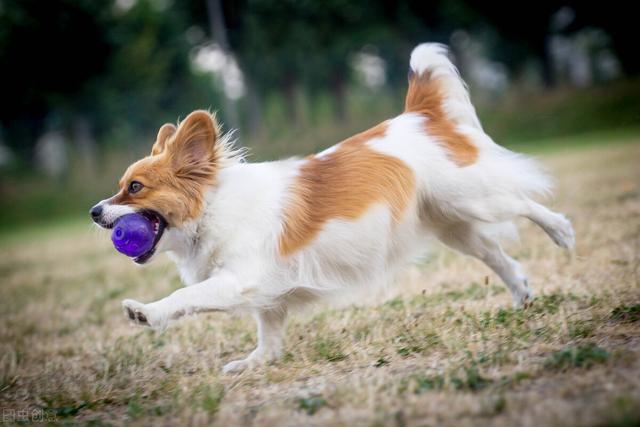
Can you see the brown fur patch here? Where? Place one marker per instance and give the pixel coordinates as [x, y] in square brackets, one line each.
[425, 97]
[175, 178]
[378, 131]
[344, 184]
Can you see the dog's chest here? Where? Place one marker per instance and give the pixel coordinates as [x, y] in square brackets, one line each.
[196, 267]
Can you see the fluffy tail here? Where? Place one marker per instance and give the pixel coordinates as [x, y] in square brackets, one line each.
[435, 86]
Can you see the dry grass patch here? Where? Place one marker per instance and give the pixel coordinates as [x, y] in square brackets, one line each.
[443, 347]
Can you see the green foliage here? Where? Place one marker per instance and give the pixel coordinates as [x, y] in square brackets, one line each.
[624, 413]
[517, 318]
[469, 378]
[427, 383]
[329, 350]
[382, 361]
[511, 380]
[408, 350]
[65, 410]
[503, 317]
[581, 328]
[494, 405]
[306, 42]
[626, 313]
[135, 408]
[562, 113]
[138, 407]
[473, 292]
[311, 404]
[581, 356]
[549, 303]
[415, 340]
[208, 397]
[395, 303]
[466, 377]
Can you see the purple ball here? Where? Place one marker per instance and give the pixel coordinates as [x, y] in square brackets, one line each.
[133, 235]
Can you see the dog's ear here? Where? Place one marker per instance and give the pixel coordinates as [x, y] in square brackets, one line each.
[166, 130]
[193, 149]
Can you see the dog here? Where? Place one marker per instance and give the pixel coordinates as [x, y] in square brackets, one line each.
[267, 237]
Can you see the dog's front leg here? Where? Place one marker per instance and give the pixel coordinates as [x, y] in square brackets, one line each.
[220, 292]
[271, 325]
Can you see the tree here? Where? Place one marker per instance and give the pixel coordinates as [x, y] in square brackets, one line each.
[45, 62]
[121, 73]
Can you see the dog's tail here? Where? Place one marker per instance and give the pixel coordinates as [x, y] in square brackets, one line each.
[436, 88]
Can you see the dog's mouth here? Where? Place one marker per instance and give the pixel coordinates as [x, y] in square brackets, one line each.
[159, 225]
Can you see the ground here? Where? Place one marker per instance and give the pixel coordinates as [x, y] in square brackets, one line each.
[442, 347]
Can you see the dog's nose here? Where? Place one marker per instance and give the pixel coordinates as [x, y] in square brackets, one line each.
[96, 211]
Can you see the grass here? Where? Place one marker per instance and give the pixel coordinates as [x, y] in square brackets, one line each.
[526, 116]
[626, 313]
[312, 404]
[443, 347]
[575, 357]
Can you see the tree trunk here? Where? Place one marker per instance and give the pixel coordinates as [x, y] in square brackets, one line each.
[219, 35]
[253, 110]
[289, 93]
[543, 48]
[338, 94]
[84, 141]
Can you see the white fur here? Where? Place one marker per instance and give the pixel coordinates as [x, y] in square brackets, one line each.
[111, 212]
[432, 58]
[229, 260]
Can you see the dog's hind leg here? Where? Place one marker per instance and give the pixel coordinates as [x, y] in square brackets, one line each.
[556, 225]
[470, 239]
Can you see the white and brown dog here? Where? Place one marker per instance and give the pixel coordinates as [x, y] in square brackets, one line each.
[263, 237]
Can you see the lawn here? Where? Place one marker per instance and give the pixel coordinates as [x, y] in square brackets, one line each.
[441, 347]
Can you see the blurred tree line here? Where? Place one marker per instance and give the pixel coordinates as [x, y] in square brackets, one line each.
[109, 72]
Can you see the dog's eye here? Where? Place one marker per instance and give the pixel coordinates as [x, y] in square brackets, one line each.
[135, 186]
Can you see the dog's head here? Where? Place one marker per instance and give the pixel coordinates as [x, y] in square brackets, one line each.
[168, 186]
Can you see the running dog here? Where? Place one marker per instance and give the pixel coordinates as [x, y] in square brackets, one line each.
[265, 237]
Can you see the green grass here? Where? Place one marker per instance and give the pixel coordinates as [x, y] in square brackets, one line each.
[529, 117]
[626, 313]
[577, 357]
[329, 350]
[578, 141]
[312, 404]
[208, 398]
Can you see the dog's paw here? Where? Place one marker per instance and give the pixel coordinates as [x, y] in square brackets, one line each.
[258, 357]
[135, 311]
[523, 298]
[562, 233]
[237, 366]
[142, 314]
